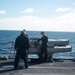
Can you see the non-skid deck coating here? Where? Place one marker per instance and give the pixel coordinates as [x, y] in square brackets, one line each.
[61, 67]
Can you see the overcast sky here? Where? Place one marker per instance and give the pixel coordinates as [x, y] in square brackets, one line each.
[44, 15]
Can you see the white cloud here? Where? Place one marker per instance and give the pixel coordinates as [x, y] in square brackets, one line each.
[62, 23]
[2, 12]
[28, 10]
[62, 9]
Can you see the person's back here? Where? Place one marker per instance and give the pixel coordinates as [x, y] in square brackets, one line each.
[22, 42]
[21, 45]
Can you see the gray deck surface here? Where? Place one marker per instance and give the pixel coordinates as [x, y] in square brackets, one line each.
[61, 67]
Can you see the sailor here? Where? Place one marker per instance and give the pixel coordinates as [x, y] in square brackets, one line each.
[25, 33]
[21, 45]
[43, 54]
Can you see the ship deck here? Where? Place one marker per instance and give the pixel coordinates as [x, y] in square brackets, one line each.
[58, 67]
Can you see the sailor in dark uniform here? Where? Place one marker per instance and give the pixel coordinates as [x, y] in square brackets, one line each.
[43, 54]
[21, 45]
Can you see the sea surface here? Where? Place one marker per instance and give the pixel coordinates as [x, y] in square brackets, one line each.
[9, 36]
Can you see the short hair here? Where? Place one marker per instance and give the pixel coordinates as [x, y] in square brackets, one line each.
[42, 32]
[24, 30]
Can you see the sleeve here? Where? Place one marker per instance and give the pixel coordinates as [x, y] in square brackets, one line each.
[39, 39]
[27, 43]
[47, 39]
[16, 43]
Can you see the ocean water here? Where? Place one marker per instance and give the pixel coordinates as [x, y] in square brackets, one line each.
[7, 36]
